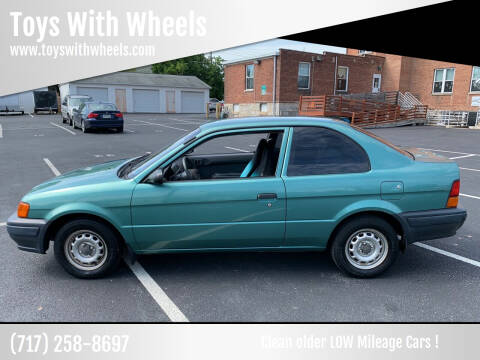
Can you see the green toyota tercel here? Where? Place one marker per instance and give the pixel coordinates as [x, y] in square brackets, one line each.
[291, 184]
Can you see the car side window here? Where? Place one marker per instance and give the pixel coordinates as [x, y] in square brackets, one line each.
[82, 108]
[322, 151]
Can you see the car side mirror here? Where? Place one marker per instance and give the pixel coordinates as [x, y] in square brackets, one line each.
[156, 177]
[75, 110]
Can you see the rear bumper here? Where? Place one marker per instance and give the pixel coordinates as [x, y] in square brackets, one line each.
[432, 224]
[94, 124]
[29, 234]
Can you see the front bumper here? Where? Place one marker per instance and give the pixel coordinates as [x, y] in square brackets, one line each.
[29, 234]
[432, 224]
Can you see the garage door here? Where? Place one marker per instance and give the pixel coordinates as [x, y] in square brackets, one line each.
[193, 102]
[9, 101]
[99, 94]
[146, 101]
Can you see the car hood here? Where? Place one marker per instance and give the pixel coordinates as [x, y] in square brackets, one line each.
[102, 173]
[425, 155]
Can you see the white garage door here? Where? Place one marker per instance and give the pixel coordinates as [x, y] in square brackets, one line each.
[193, 102]
[146, 101]
[99, 94]
[9, 101]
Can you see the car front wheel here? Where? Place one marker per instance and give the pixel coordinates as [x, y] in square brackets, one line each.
[87, 248]
[365, 246]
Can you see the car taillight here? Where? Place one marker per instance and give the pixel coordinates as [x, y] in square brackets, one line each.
[92, 115]
[22, 210]
[118, 114]
[453, 196]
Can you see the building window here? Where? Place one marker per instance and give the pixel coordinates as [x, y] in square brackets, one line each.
[304, 75]
[249, 70]
[263, 107]
[342, 78]
[236, 108]
[363, 52]
[443, 81]
[475, 85]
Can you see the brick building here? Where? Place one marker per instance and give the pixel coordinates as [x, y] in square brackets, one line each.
[440, 85]
[273, 83]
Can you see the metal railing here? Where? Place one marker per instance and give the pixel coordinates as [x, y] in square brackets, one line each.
[447, 118]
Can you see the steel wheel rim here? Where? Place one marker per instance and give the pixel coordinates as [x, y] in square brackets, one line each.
[366, 249]
[86, 250]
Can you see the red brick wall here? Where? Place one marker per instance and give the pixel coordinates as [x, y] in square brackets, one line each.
[360, 75]
[235, 92]
[402, 73]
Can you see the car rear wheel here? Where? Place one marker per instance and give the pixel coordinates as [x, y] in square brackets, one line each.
[84, 129]
[365, 246]
[70, 121]
[87, 248]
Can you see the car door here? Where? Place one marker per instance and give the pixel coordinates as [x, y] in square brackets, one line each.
[210, 214]
[325, 171]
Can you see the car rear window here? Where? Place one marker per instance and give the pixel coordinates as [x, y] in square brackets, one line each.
[102, 107]
[78, 101]
[383, 141]
[322, 151]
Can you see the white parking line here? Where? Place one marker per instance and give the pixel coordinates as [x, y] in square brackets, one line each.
[162, 299]
[449, 254]
[155, 291]
[236, 149]
[52, 167]
[470, 196]
[61, 127]
[448, 151]
[468, 169]
[462, 156]
[129, 131]
[1, 131]
[170, 127]
[30, 115]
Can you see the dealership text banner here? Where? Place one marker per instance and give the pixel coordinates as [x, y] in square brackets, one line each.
[42, 45]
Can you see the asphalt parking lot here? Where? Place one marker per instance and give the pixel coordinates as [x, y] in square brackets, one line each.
[440, 282]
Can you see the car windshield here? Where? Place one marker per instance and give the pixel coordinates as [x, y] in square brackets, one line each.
[78, 101]
[140, 164]
[102, 107]
[383, 141]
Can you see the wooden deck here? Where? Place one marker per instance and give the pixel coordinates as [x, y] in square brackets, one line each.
[361, 112]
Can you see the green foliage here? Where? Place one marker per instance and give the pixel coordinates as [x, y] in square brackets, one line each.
[209, 71]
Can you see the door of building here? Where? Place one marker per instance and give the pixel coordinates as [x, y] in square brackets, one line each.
[376, 83]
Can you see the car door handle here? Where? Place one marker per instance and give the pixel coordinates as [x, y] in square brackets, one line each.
[266, 196]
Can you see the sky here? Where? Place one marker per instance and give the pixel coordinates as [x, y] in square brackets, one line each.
[268, 46]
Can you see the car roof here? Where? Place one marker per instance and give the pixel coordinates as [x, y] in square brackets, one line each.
[253, 122]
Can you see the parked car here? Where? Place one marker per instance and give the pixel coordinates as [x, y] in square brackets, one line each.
[310, 184]
[212, 104]
[98, 115]
[71, 102]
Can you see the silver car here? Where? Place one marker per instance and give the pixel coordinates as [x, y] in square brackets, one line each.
[71, 102]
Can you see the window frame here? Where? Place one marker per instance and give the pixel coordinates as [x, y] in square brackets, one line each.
[309, 75]
[247, 77]
[346, 82]
[444, 77]
[286, 159]
[173, 157]
[471, 80]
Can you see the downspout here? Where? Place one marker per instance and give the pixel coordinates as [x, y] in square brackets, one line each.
[335, 78]
[274, 105]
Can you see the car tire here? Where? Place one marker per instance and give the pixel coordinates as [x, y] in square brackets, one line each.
[84, 129]
[365, 246]
[63, 120]
[71, 122]
[101, 249]
[120, 129]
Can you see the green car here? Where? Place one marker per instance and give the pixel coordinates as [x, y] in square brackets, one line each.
[293, 184]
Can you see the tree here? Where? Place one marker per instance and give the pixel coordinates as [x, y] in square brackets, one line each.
[208, 70]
